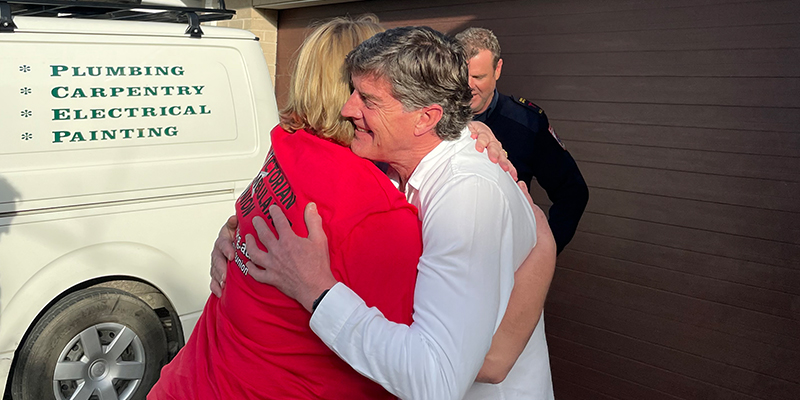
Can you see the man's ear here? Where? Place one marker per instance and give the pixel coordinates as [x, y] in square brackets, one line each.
[498, 69]
[428, 118]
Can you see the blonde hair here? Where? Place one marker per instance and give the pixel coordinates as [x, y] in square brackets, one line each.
[318, 88]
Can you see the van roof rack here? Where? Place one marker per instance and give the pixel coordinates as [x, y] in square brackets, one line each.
[128, 10]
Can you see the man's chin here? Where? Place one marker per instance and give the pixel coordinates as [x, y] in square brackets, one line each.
[358, 148]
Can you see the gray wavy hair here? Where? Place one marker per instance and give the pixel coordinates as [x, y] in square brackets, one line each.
[424, 67]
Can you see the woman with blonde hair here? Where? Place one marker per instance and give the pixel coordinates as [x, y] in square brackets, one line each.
[254, 342]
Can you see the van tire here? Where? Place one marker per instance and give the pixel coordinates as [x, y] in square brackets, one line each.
[70, 329]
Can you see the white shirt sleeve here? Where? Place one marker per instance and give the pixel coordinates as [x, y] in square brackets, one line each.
[459, 298]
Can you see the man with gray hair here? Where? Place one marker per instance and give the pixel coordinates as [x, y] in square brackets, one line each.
[410, 106]
[523, 129]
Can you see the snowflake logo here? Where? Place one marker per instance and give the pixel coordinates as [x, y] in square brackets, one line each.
[26, 91]
[26, 113]
[27, 136]
[24, 68]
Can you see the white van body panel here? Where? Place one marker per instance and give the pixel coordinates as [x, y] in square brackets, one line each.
[123, 146]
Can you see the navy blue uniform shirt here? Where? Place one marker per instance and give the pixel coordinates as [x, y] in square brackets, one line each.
[535, 150]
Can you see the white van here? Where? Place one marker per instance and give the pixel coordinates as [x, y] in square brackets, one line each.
[123, 145]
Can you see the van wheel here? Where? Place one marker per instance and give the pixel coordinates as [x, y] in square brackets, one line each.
[98, 343]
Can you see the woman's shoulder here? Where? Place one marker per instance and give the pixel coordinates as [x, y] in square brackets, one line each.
[329, 172]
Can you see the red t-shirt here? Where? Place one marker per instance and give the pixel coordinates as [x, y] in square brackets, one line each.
[256, 343]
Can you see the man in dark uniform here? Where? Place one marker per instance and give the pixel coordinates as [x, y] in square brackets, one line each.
[522, 127]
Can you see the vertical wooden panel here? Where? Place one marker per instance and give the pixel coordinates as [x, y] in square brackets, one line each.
[683, 281]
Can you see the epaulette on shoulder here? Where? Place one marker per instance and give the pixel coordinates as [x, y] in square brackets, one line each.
[526, 103]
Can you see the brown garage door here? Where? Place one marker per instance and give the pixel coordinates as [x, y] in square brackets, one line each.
[683, 281]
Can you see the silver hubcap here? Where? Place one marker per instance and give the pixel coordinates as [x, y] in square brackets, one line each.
[104, 362]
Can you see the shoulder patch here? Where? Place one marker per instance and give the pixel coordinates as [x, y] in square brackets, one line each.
[525, 102]
[553, 132]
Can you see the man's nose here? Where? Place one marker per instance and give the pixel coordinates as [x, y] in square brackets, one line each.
[350, 108]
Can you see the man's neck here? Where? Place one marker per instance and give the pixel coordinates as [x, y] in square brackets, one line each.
[407, 163]
[489, 103]
[483, 115]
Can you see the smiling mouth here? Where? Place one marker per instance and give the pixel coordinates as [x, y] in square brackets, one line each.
[362, 130]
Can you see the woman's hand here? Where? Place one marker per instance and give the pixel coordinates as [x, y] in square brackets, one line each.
[222, 253]
[487, 141]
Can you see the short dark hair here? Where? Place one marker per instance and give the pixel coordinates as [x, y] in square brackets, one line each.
[476, 39]
[424, 67]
